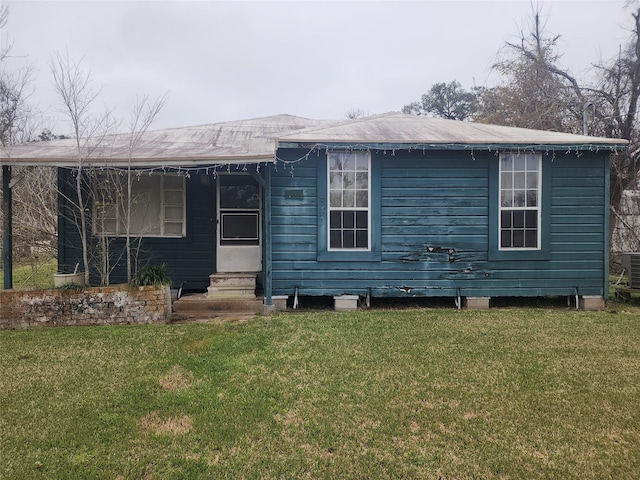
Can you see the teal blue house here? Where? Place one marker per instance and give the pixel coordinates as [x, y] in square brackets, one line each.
[392, 205]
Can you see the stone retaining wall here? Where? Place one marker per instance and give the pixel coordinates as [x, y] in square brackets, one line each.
[113, 305]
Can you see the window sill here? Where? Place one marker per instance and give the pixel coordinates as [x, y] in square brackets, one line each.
[114, 235]
[519, 254]
[349, 256]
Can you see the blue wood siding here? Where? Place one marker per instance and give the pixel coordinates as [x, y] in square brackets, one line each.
[69, 244]
[435, 221]
[190, 259]
[436, 211]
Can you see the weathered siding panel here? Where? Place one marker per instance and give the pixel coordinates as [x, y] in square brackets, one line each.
[435, 219]
[69, 244]
[421, 207]
[434, 226]
[294, 216]
[190, 259]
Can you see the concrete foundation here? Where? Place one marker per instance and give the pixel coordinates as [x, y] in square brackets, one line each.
[280, 302]
[476, 303]
[345, 302]
[591, 302]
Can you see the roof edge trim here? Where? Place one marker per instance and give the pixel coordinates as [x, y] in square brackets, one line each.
[140, 163]
[619, 145]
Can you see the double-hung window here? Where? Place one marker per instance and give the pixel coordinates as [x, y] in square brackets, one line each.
[349, 180]
[520, 195]
[156, 203]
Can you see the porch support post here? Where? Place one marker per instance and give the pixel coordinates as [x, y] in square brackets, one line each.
[7, 228]
[266, 241]
[607, 226]
[62, 211]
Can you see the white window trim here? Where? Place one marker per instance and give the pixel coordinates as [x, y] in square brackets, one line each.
[537, 208]
[361, 209]
[162, 218]
[163, 207]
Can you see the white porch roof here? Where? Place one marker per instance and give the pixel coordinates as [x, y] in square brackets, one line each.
[244, 141]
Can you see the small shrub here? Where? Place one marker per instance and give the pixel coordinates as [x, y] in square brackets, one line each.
[70, 287]
[151, 275]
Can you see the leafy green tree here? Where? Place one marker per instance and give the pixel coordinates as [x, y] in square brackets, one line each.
[445, 100]
[47, 135]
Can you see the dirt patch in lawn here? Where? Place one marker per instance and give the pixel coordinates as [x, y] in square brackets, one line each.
[153, 423]
[178, 378]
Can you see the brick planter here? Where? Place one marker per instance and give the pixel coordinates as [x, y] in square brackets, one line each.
[113, 305]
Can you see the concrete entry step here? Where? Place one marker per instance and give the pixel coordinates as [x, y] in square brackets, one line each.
[232, 285]
[211, 318]
[202, 305]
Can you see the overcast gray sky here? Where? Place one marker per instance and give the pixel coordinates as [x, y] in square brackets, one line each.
[220, 61]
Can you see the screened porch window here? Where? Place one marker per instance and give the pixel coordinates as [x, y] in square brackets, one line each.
[520, 186]
[349, 200]
[157, 205]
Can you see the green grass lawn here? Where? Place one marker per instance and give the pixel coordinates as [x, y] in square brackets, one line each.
[35, 275]
[509, 393]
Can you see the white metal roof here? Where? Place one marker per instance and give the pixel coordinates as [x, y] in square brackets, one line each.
[244, 141]
[400, 128]
[256, 140]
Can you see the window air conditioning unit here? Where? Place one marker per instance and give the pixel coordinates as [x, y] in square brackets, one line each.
[631, 265]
